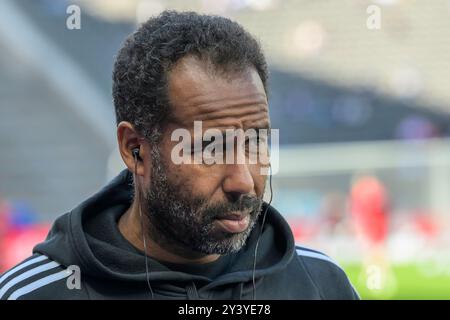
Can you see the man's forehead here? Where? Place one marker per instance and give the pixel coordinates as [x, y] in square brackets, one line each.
[198, 93]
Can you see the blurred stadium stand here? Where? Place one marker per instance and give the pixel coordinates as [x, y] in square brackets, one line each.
[51, 156]
[349, 101]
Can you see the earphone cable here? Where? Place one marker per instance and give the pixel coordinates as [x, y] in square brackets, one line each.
[260, 233]
[147, 274]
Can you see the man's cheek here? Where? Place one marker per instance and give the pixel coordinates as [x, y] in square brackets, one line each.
[178, 175]
[201, 182]
[259, 181]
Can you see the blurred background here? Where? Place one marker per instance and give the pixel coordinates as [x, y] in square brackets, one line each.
[359, 91]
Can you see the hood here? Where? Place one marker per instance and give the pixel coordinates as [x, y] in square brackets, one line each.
[84, 237]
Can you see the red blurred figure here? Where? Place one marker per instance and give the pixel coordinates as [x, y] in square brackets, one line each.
[369, 209]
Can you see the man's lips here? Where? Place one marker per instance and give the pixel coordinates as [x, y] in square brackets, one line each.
[232, 217]
[235, 215]
[234, 222]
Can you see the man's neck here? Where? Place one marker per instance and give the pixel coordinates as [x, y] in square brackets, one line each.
[130, 227]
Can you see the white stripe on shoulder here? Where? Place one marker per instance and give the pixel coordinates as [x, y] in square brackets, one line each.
[39, 284]
[316, 255]
[26, 275]
[21, 266]
[322, 256]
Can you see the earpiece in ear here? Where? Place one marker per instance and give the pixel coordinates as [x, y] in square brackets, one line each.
[135, 152]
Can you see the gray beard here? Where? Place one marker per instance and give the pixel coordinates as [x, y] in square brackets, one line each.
[177, 219]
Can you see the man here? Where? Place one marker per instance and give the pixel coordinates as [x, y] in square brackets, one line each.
[169, 230]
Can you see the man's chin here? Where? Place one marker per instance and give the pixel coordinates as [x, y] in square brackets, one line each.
[224, 242]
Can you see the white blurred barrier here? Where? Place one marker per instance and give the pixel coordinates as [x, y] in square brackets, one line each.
[421, 167]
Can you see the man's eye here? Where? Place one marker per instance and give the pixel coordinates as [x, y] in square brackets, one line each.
[198, 147]
[209, 145]
[214, 147]
[205, 145]
[253, 141]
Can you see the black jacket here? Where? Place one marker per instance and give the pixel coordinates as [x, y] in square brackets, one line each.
[85, 246]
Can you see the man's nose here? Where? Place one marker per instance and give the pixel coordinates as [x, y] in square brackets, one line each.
[238, 181]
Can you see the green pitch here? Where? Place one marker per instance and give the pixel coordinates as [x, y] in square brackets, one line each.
[405, 282]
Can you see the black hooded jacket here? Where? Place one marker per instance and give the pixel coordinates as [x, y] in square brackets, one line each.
[86, 257]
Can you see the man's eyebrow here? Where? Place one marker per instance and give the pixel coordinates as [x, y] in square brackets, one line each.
[264, 126]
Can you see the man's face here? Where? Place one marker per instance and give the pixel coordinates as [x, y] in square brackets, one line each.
[209, 208]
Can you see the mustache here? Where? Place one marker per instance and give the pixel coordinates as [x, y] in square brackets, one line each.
[248, 204]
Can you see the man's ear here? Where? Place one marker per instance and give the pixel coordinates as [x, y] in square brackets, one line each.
[129, 139]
